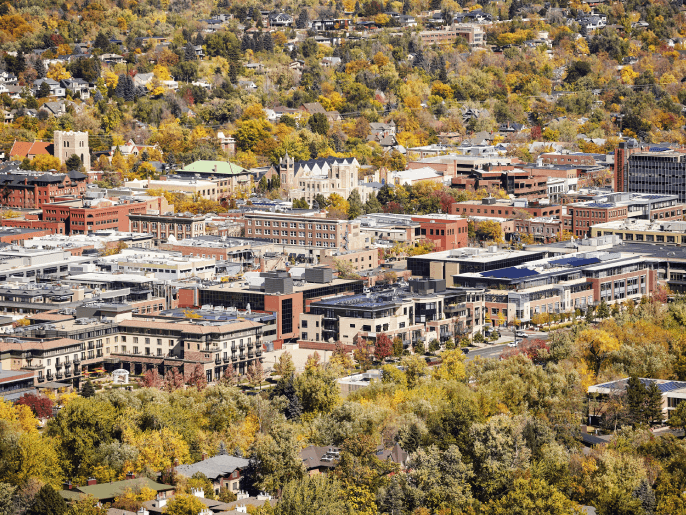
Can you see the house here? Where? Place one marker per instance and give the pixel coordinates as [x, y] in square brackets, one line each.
[248, 85]
[315, 107]
[256, 67]
[297, 65]
[328, 62]
[107, 492]
[7, 116]
[407, 20]
[55, 89]
[470, 112]
[396, 455]
[279, 20]
[142, 79]
[511, 127]
[222, 470]
[112, 58]
[673, 392]
[29, 149]
[381, 130]
[54, 108]
[199, 53]
[319, 460]
[592, 22]
[78, 87]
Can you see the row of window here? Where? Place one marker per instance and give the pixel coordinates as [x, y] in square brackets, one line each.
[292, 225]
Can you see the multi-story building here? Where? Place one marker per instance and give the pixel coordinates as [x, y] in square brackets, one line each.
[302, 233]
[660, 171]
[424, 311]
[237, 250]
[444, 265]
[180, 225]
[556, 285]
[77, 216]
[543, 229]
[581, 216]
[472, 33]
[31, 190]
[505, 208]
[389, 228]
[162, 345]
[307, 179]
[69, 143]
[275, 292]
[205, 189]
[363, 259]
[644, 231]
[163, 265]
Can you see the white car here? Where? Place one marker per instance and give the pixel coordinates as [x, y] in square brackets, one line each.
[513, 344]
[520, 334]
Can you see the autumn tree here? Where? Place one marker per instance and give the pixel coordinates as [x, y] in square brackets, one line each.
[383, 347]
[151, 379]
[596, 347]
[39, 404]
[184, 504]
[198, 378]
[48, 502]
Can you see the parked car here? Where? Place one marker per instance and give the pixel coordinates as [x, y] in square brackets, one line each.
[514, 343]
[520, 334]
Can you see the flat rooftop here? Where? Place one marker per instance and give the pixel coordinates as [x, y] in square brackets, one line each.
[475, 255]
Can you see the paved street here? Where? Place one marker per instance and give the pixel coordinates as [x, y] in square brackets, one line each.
[492, 351]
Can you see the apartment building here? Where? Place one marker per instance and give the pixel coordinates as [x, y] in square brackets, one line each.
[363, 259]
[544, 229]
[660, 171]
[505, 208]
[43, 360]
[298, 233]
[239, 250]
[181, 225]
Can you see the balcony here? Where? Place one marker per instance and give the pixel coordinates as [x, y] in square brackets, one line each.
[251, 355]
[77, 361]
[58, 375]
[242, 346]
[258, 352]
[49, 377]
[234, 358]
[217, 361]
[67, 372]
[58, 366]
[40, 379]
[241, 357]
[77, 371]
[227, 359]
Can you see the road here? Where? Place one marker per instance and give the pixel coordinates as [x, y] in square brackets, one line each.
[492, 351]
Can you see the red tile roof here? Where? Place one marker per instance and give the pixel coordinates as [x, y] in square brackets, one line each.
[33, 148]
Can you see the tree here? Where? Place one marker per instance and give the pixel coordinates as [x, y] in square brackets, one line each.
[532, 495]
[173, 380]
[189, 52]
[6, 502]
[596, 347]
[200, 481]
[415, 368]
[319, 123]
[87, 505]
[439, 479]
[88, 390]
[285, 366]
[319, 494]
[73, 162]
[590, 315]
[125, 88]
[47, 502]
[362, 354]
[452, 367]
[677, 417]
[603, 311]
[644, 402]
[44, 90]
[286, 389]
[198, 378]
[255, 373]
[276, 457]
[184, 504]
[355, 206]
[151, 379]
[39, 66]
[229, 378]
[383, 347]
[317, 389]
[39, 404]
[303, 19]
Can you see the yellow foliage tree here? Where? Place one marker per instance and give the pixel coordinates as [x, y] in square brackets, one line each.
[595, 347]
[44, 162]
[452, 368]
[58, 72]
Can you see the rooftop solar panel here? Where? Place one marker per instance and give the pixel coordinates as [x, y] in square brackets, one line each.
[510, 273]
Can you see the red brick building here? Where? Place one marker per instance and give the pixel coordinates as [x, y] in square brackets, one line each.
[502, 209]
[77, 217]
[34, 189]
[445, 231]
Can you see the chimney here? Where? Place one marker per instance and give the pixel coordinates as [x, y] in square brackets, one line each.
[204, 456]
[91, 481]
[130, 475]
[66, 485]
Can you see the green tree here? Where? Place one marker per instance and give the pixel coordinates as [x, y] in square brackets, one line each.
[319, 123]
[74, 162]
[440, 479]
[200, 481]
[415, 368]
[88, 390]
[677, 417]
[312, 494]
[88, 505]
[6, 503]
[47, 502]
[590, 315]
[277, 457]
[603, 310]
[373, 205]
[262, 185]
[644, 402]
[44, 90]
[355, 206]
[300, 203]
[317, 389]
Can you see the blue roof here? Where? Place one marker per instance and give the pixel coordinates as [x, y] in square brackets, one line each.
[595, 204]
[668, 386]
[510, 273]
[575, 262]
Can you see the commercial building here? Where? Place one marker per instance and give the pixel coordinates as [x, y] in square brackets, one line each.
[205, 189]
[644, 231]
[506, 208]
[163, 226]
[581, 216]
[162, 265]
[304, 234]
[444, 265]
[673, 392]
[556, 285]
[658, 172]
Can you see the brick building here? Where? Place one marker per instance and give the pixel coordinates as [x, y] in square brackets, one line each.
[83, 216]
[447, 232]
[29, 190]
[504, 208]
[162, 226]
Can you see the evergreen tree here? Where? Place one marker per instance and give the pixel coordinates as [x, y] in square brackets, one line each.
[44, 90]
[74, 162]
[644, 493]
[125, 88]
[268, 42]
[88, 389]
[101, 41]
[39, 66]
[319, 123]
[412, 439]
[262, 185]
[257, 42]
[603, 310]
[303, 20]
[286, 388]
[246, 42]
[47, 502]
[442, 70]
[512, 11]
[358, 9]
[644, 402]
[589, 315]
[189, 52]
[199, 39]
[355, 206]
[419, 59]
[233, 73]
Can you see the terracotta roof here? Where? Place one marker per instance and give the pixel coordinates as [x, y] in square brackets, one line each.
[26, 148]
[25, 345]
[190, 327]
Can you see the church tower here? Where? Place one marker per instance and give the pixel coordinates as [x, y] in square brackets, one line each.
[287, 171]
[69, 143]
